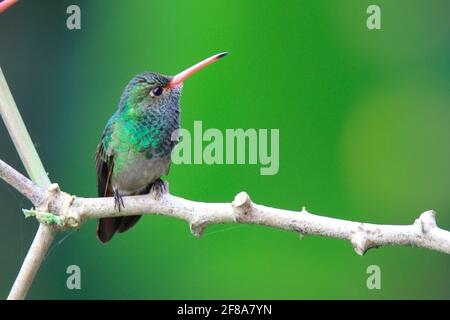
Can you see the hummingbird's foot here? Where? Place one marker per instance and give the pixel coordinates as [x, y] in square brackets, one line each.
[158, 188]
[118, 200]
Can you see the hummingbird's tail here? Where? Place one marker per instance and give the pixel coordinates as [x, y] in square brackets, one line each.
[107, 227]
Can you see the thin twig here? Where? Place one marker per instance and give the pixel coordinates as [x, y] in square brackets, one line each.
[21, 183]
[20, 136]
[33, 165]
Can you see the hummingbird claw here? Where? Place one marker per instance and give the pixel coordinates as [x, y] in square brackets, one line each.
[121, 201]
[118, 200]
[158, 188]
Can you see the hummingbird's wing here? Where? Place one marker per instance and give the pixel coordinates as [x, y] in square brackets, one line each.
[104, 161]
[104, 164]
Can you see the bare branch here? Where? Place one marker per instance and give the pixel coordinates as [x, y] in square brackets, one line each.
[33, 260]
[33, 165]
[20, 136]
[363, 236]
[21, 183]
[422, 233]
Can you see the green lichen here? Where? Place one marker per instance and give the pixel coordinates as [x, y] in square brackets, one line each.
[44, 217]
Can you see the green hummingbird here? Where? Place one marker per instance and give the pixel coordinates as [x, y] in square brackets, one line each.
[134, 151]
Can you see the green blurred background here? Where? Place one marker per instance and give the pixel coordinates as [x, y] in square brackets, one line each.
[364, 135]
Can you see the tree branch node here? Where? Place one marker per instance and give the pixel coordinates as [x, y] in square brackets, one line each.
[360, 243]
[197, 228]
[242, 204]
[426, 221]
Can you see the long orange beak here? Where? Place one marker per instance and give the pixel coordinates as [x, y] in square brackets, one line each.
[5, 4]
[179, 78]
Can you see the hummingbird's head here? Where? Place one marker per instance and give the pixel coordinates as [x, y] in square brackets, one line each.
[154, 90]
[150, 90]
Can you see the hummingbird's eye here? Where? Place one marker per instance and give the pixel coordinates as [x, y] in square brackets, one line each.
[156, 91]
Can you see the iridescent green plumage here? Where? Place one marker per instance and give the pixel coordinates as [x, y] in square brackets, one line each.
[139, 133]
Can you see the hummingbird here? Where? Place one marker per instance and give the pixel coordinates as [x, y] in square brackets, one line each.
[136, 144]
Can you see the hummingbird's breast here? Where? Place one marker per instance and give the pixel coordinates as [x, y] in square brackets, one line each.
[138, 173]
[142, 147]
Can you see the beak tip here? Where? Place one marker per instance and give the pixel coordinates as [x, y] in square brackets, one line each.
[222, 54]
[177, 79]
